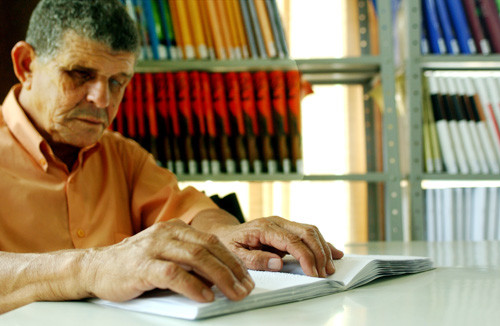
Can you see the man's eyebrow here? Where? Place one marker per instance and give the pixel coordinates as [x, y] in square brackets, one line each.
[92, 70]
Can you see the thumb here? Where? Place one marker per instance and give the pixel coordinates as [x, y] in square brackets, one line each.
[260, 260]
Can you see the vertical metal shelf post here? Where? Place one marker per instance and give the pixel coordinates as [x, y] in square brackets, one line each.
[375, 231]
[393, 192]
[413, 80]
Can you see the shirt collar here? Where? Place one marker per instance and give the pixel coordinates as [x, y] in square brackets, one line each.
[21, 127]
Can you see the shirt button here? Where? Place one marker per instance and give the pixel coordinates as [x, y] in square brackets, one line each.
[80, 233]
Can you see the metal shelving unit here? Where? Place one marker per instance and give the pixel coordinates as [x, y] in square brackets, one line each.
[348, 71]
[415, 65]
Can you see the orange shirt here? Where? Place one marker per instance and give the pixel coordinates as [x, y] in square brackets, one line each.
[114, 190]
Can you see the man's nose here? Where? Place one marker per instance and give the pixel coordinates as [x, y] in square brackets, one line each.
[98, 93]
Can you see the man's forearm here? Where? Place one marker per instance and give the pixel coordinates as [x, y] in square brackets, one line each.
[25, 278]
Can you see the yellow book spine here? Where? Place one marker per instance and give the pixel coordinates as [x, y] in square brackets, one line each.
[233, 29]
[177, 28]
[197, 29]
[183, 20]
[225, 28]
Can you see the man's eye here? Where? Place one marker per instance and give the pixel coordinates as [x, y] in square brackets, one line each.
[80, 75]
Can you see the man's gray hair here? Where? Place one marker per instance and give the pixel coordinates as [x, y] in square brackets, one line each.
[105, 21]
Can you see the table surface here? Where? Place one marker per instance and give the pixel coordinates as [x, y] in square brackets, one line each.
[464, 289]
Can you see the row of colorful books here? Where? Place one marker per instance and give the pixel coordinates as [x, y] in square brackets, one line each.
[213, 29]
[463, 214]
[460, 27]
[198, 122]
[461, 122]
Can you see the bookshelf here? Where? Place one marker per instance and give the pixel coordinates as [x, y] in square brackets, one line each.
[414, 65]
[360, 70]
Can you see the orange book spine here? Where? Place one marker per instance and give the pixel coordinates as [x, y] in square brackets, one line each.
[174, 14]
[225, 29]
[216, 32]
[185, 29]
[233, 29]
[196, 26]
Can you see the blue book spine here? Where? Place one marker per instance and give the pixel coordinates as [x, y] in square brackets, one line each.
[150, 24]
[280, 28]
[448, 33]
[274, 27]
[256, 29]
[462, 30]
[433, 28]
[164, 26]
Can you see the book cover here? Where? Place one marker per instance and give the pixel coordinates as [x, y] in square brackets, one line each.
[151, 124]
[174, 125]
[256, 28]
[483, 129]
[164, 131]
[250, 119]
[265, 118]
[222, 121]
[225, 28]
[215, 29]
[213, 137]
[293, 100]
[481, 42]
[280, 119]
[281, 30]
[196, 27]
[449, 158]
[471, 155]
[247, 23]
[433, 27]
[265, 27]
[273, 288]
[237, 122]
[473, 127]
[491, 19]
[456, 138]
[449, 35]
[199, 125]
[183, 97]
[461, 27]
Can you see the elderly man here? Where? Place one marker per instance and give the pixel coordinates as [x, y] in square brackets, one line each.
[84, 211]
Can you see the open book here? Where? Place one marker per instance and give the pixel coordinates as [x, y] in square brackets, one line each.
[273, 288]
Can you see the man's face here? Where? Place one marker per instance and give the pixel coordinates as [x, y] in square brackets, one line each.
[75, 94]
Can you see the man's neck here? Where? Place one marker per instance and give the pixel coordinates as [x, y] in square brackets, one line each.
[66, 153]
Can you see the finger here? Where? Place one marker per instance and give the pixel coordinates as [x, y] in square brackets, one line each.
[274, 235]
[169, 275]
[313, 239]
[200, 260]
[336, 253]
[260, 260]
[215, 247]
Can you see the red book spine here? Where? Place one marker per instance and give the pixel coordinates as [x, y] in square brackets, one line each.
[208, 112]
[139, 108]
[185, 119]
[129, 108]
[280, 118]
[247, 95]
[161, 100]
[151, 104]
[222, 120]
[264, 113]
[200, 130]
[293, 94]
[491, 18]
[174, 125]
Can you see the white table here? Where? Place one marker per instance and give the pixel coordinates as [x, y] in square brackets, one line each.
[464, 289]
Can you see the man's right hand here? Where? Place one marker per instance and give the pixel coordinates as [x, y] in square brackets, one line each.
[168, 255]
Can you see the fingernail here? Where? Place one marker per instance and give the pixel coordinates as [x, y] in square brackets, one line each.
[240, 289]
[331, 267]
[208, 295]
[315, 272]
[249, 284]
[274, 264]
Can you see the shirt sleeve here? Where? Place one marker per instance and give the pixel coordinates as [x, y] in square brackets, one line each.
[156, 197]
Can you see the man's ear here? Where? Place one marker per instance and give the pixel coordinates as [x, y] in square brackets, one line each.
[23, 55]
